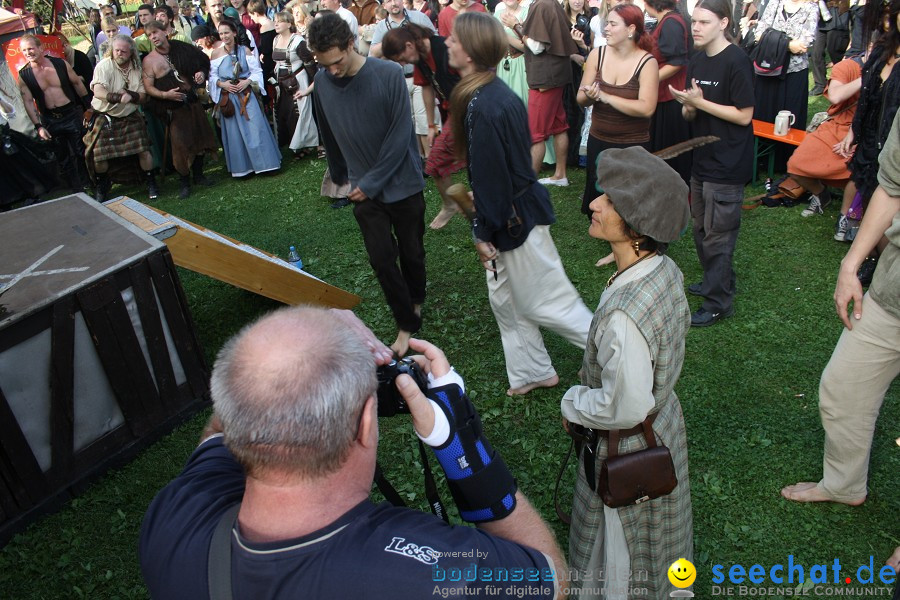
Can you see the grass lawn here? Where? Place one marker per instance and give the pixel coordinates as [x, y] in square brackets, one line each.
[749, 386]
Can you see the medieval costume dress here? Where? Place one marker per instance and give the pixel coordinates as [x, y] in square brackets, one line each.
[248, 140]
[189, 132]
[512, 68]
[815, 157]
[294, 117]
[634, 356]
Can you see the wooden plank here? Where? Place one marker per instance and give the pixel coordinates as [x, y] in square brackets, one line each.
[11, 503]
[62, 389]
[23, 474]
[190, 332]
[128, 378]
[102, 449]
[196, 248]
[154, 336]
[168, 289]
[16, 333]
[127, 341]
[6, 506]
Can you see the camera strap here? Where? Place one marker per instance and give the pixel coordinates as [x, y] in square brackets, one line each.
[391, 494]
[431, 491]
[387, 490]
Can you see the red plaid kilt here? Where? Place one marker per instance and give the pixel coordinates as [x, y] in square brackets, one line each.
[126, 136]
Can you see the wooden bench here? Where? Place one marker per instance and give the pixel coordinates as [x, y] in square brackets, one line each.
[764, 143]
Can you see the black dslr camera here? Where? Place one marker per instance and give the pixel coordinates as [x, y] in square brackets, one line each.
[583, 24]
[390, 402]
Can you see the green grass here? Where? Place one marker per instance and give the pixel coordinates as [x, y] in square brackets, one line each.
[749, 386]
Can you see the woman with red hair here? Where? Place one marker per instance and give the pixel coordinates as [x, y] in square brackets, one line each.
[621, 82]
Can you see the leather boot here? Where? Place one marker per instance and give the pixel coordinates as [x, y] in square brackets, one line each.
[185, 187]
[199, 177]
[103, 187]
[152, 188]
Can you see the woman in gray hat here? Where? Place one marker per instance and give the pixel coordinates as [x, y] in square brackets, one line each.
[634, 355]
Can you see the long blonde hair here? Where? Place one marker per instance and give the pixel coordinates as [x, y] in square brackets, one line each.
[483, 39]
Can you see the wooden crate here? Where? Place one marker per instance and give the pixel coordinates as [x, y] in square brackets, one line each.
[98, 354]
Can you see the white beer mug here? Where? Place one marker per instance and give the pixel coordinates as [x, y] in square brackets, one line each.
[783, 121]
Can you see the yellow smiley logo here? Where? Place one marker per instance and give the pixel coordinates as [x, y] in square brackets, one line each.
[682, 573]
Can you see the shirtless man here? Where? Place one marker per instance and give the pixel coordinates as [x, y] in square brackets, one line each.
[55, 99]
[172, 73]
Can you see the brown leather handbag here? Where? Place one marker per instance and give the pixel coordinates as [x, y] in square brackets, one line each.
[627, 479]
[226, 108]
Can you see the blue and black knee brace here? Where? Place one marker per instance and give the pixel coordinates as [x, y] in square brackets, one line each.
[481, 484]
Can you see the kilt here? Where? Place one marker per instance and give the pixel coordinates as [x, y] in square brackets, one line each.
[126, 136]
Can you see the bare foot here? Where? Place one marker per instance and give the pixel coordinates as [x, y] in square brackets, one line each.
[521, 391]
[609, 258]
[894, 560]
[807, 491]
[401, 344]
[444, 216]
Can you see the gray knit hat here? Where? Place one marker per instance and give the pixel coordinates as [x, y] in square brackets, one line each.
[646, 192]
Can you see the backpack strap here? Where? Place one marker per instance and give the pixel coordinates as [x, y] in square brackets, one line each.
[218, 566]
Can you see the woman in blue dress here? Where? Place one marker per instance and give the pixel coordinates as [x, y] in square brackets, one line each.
[248, 140]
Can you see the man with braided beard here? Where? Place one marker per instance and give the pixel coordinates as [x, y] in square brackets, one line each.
[173, 72]
[120, 130]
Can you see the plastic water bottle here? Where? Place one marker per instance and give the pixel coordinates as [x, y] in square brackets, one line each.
[294, 259]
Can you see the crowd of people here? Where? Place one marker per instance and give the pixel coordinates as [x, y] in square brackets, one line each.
[278, 487]
[593, 76]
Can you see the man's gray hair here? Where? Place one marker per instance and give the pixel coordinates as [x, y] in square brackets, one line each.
[290, 390]
[121, 37]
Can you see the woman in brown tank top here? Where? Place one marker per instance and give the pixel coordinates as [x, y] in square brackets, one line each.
[621, 82]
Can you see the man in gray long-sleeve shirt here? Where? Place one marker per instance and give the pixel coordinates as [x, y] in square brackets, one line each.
[363, 111]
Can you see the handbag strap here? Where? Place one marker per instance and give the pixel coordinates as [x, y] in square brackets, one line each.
[612, 447]
[648, 432]
[563, 516]
[647, 427]
[849, 106]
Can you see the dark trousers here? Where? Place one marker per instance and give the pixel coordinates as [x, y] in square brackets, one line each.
[392, 231]
[65, 126]
[716, 211]
[835, 42]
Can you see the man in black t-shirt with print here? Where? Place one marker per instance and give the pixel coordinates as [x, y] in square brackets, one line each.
[719, 101]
